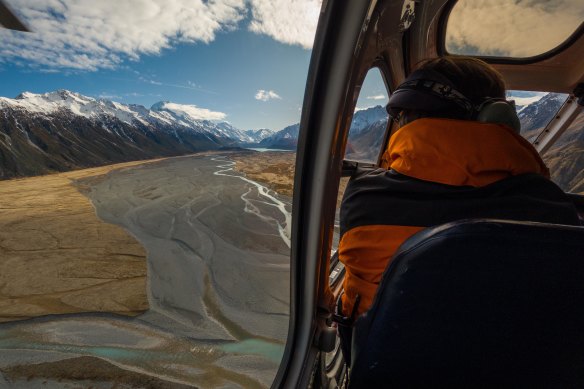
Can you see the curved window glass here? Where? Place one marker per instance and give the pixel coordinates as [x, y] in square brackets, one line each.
[146, 169]
[565, 158]
[518, 29]
[369, 122]
[535, 110]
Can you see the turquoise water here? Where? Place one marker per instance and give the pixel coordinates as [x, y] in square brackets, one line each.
[173, 358]
[262, 149]
[268, 350]
[112, 353]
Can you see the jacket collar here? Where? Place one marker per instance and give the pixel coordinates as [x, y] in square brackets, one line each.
[461, 152]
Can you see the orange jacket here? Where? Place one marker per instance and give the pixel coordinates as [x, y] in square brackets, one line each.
[439, 170]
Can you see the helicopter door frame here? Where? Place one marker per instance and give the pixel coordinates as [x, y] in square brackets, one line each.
[328, 97]
[350, 35]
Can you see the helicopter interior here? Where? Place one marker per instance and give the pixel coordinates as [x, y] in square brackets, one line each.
[393, 36]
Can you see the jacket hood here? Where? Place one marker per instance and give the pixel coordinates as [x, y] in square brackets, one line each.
[461, 152]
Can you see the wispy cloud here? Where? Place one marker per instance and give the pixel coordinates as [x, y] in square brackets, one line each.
[522, 99]
[188, 85]
[89, 35]
[520, 28]
[108, 96]
[136, 94]
[289, 21]
[265, 95]
[376, 97]
[194, 112]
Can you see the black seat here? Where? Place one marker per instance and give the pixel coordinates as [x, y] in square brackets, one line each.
[477, 304]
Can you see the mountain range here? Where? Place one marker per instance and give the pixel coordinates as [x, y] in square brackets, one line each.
[64, 130]
[535, 116]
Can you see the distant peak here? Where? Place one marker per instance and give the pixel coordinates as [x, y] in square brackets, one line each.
[25, 95]
[159, 106]
[61, 92]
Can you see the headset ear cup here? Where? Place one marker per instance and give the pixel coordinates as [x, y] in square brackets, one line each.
[499, 112]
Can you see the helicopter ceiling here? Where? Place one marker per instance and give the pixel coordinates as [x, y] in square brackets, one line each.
[9, 20]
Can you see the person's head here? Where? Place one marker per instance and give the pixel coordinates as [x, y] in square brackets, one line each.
[446, 87]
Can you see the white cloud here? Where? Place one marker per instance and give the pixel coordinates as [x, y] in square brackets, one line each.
[520, 28]
[89, 34]
[288, 21]
[265, 95]
[376, 97]
[108, 96]
[194, 112]
[136, 94]
[526, 100]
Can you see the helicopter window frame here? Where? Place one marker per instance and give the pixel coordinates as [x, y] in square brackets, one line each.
[383, 69]
[442, 51]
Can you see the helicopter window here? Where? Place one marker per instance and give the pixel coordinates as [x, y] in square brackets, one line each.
[565, 158]
[364, 143]
[146, 190]
[535, 110]
[517, 29]
[369, 122]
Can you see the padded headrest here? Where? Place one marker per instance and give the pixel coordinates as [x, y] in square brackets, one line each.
[478, 303]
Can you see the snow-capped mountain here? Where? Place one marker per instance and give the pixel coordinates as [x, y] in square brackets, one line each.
[536, 115]
[366, 134]
[52, 102]
[64, 130]
[364, 121]
[259, 135]
[161, 114]
[286, 138]
[364, 118]
[523, 99]
[192, 116]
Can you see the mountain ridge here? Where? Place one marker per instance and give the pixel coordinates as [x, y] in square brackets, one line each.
[63, 130]
[161, 114]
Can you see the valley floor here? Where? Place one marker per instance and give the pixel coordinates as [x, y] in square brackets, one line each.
[57, 256]
[198, 251]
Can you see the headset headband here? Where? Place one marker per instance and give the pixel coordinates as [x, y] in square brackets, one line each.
[444, 92]
[430, 91]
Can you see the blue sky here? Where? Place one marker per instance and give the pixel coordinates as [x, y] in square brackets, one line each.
[222, 76]
[222, 66]
[245, 59]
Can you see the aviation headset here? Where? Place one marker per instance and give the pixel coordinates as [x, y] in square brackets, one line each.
[430, 91]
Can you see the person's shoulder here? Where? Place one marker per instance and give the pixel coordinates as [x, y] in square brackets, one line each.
[532, 183]
[370, 188]
[371, 176]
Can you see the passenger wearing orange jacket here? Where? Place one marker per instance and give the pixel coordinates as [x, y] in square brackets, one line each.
[456, 155]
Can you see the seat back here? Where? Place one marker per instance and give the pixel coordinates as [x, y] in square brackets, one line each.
[477, 303]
